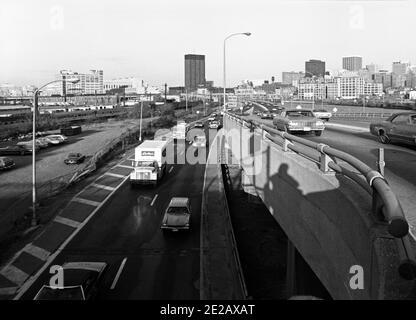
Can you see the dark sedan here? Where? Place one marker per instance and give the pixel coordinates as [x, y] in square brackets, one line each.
[400, 127]
[6, 163]
[15, 150]
[80, 280]
[74, 158]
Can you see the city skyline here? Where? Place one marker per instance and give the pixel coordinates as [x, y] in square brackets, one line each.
[48, 36]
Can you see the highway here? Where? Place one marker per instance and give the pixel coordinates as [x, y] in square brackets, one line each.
[400, 170]
[143, 263]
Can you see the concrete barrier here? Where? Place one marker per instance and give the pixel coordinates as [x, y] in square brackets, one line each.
[326, 216]
[220, 274]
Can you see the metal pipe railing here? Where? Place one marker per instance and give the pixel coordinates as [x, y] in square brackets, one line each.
[385, 202]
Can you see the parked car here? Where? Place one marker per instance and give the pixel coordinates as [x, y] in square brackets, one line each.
[28, 144]
[42, 143]
[59, 137]
[199, 124]
[6, 163]
[177, 215]
[322, 114]
[17, 150]
[296, 120]
[80, 282]
[400, 127]
[74, 158]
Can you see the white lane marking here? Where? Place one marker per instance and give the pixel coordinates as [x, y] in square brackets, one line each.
[114, 175]
[37, 252]
[86, 201]
[14, 274]
[101, 186]
[68, 222]
[28, 283]
[118, 273]
[170, 170]
[154, 199]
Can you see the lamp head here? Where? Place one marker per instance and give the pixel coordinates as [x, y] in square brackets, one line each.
[247, 33]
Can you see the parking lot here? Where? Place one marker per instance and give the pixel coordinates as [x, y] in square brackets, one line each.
[50, 161]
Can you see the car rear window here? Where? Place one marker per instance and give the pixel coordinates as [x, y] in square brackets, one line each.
[72, 293]
[178, 210]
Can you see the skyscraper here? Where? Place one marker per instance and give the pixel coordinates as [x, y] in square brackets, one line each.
[353, 63]
[315, 68]
[194, 71]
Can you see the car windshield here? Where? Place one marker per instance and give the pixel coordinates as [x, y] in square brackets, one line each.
[178, 210]
[69, 293]
[321, 110]
[73, 155]
[300, 113]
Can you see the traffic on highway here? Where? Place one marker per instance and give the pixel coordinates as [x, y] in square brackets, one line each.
[205, 159]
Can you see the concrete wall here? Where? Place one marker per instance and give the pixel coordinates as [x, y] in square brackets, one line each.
[327, 217]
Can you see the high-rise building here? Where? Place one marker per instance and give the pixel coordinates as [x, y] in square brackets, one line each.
[353, 63]
[289, 77]
[194, 71]
[315, 68]
[372, 68]
[89, 83]
[400, 68]
[384, 77]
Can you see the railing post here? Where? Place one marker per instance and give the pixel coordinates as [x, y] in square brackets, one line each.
[380, 163]
[286, 143]
[324, 159]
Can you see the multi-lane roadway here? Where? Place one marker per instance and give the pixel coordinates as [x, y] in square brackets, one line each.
[143, 262]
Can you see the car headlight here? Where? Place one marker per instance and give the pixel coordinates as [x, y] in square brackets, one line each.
[319, 123]
[291, 123]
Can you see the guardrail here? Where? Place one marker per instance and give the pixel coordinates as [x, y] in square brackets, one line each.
[231, 232]
[385, 204]
[375, 115]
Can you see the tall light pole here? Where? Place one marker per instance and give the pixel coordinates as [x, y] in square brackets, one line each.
[141, 115]
[224, 75]
[35, 108]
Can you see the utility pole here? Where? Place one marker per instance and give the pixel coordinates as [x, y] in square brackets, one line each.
[166, 86]
[186, 99]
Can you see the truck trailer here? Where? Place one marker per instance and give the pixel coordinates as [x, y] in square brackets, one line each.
[149, 165]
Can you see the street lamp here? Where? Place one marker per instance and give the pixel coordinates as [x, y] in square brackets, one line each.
[231, 35]
[141, 114]
[35, 107]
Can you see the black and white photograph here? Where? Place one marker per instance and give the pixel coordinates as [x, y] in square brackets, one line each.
[207, 158]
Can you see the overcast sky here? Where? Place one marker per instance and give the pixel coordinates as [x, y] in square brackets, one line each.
[148, 39]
